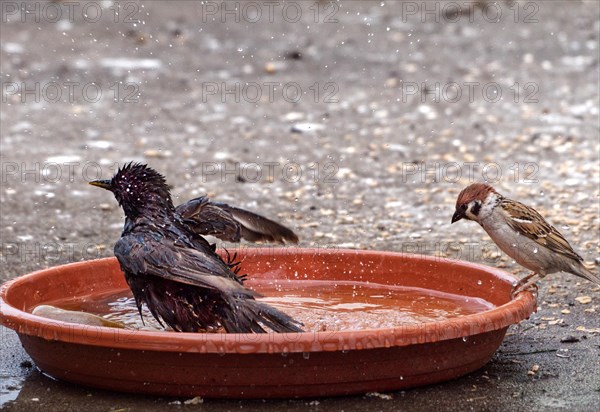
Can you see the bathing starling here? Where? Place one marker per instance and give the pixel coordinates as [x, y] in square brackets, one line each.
[171, 267]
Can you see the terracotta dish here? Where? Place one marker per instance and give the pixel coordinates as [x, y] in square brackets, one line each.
[270, 365]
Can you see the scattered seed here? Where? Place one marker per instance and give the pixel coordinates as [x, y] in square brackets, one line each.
[584, 300]
[194, 401]
[379, 395]
[584, 329]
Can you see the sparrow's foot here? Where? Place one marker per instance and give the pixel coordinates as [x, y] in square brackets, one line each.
[524, 284]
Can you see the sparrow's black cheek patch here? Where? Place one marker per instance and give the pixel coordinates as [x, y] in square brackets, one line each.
[476, 208]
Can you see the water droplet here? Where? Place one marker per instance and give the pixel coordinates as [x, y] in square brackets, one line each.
[465, 338]
[306, 355]
[479, 282]
[535, 250]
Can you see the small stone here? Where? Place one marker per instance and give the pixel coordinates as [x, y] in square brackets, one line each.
[99, 144]
[294, 55]
[306, 127]
[26, 364]
[293, 116]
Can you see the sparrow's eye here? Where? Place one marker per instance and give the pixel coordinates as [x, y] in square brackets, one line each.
[464, 207]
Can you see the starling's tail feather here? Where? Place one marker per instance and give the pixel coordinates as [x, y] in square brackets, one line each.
[580, 270]
[252, 315]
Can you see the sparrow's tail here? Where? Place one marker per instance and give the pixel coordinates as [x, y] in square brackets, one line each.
[580, 270]
[252, 316]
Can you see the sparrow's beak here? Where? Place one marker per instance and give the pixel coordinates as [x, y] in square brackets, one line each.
[458, 215]
[104, 184]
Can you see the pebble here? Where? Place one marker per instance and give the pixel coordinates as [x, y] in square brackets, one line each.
[307, 127]
[293, 116]
[12, 48]
[124, 63]
[63, 159]
[100, 144]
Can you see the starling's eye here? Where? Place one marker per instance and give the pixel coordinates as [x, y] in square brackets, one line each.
[464, 207]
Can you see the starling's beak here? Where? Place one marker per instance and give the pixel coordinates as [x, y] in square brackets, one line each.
[104, 184]
[458, 215]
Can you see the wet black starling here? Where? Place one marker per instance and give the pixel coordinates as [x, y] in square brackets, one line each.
[169, 265]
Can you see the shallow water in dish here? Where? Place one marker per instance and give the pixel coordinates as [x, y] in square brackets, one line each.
[319, 305]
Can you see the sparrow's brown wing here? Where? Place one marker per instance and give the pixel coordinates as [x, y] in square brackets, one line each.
[530, 223]
[231, 223]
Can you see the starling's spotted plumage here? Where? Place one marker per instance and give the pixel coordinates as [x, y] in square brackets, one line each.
[169, 266]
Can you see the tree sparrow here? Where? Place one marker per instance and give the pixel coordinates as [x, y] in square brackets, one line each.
[520, 232]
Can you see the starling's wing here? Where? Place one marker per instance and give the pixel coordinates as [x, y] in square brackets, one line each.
[528, 222]
[231, 223]
[256, 228]
[203, 218]
[144, 254]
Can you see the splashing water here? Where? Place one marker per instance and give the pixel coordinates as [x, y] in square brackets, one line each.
[319, 305]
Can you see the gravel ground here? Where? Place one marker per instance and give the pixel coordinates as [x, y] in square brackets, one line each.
[355, 123]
